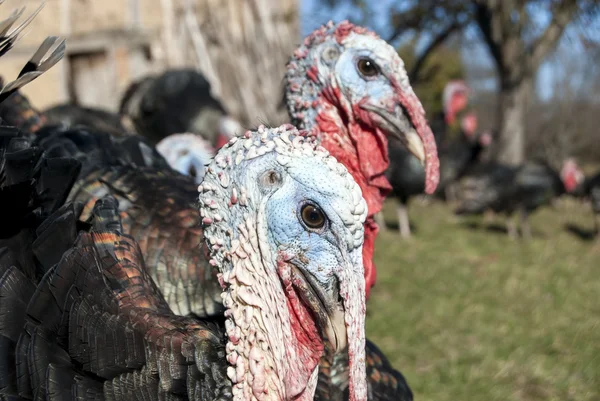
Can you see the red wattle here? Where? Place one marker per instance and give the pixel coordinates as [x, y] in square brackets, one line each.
[222, 140]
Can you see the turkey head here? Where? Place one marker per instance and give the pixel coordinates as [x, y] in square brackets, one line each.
[283, 223]
[571, 175]
[351, 88]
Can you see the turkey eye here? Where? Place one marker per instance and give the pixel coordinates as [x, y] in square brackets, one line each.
[312, 216]
[367, 67]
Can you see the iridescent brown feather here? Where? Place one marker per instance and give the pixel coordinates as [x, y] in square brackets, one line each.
[158, 209]
[384, 382]
[97, 327]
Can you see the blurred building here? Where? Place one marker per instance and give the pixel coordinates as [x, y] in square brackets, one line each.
[109, 43]
[241, 46]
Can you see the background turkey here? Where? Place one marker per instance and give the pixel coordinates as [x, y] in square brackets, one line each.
[177, 101]
[459, 143]
[589, 190]
[522, 189]
[406, 174]
[188, 153]
[459, 147]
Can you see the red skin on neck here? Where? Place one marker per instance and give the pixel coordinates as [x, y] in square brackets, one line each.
[365, 155]
[222, 140]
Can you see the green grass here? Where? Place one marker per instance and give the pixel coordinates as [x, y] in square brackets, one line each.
[469, 314]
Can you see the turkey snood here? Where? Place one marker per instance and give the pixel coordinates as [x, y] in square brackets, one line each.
[349, 88]
[283, 224]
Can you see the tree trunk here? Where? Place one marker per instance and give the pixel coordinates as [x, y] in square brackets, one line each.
[513, 104]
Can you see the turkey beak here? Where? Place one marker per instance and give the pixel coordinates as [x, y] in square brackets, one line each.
[399, 126]
[339, 309]
[327, 306]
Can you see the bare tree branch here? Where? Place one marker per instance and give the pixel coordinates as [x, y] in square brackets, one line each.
[547, 40]
[413, 75]
[403, 26]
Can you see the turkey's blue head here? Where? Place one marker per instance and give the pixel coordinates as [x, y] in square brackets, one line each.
[187, 153]
[351, 88]
[283, 222]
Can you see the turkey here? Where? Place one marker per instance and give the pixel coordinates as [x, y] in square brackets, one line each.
[459, 144]
[509, 189]
[407, 177]
[458, 116]
[350, 89]
[293, 284]
[177, 101]
[157, 206]
[16, 111]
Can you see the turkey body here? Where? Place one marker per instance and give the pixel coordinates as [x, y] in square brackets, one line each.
[456, 158]
[80, 317]
[507, 189]
[407, 177]
[157, 207]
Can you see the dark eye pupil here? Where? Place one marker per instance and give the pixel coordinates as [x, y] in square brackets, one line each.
[312, 216]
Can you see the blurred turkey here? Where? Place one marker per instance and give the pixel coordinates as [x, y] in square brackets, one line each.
[457, 157]
[177, 101]
[522, 189]
[67, 284]
[188, 154]
[459, 144]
